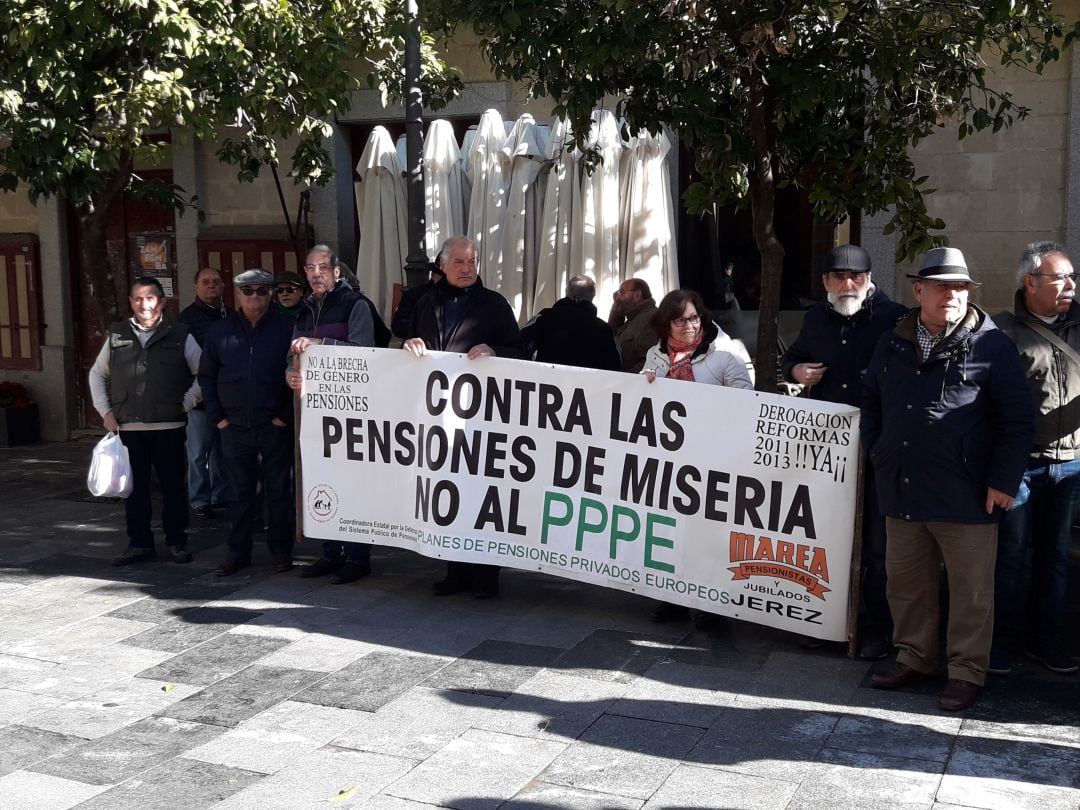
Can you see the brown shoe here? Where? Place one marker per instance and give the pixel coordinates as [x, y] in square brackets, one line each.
[230, 567]
[959, 695]
[899, 675]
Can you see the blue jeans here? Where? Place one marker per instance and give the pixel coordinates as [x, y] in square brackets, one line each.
[207, 483]
[1039, 525]
[264, 452]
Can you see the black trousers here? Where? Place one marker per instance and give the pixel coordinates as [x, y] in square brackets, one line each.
[161, 451]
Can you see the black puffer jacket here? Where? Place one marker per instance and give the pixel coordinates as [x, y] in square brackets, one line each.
[452, 319]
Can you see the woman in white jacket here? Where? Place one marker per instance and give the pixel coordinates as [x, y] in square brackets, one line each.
[689, 350]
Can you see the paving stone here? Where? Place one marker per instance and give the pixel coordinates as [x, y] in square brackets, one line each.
[90, 673]
[623, 755]
[1033, 706]
[279, 736]
[321, 652]
[170, 603]
[610, 655]
[477, 771]
[896, 734]
[192, 629]
[17, 706]
[544, 796]
[213, 660]
[789, 676]
[71, 643]
[22, 746]
[845, 779]
[384, 802]
[233, 700]
[680, 693]
[690, 786]
[493, 668]
[180, 784]
[418, 723]
[372, 681]
[314, 779]
[767, 741]
[110, 709]
[1002, 773]
[128, 752]
[37, 791]
[17, 669]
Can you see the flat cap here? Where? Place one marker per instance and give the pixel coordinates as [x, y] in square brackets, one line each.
[846, 257]
[292, 278]
[255, 275]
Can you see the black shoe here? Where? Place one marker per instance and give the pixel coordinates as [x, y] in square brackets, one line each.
[486, 591]
[1000, 662]
[320, 567]
[875, 647]
[135, 555]
[446, 587]
[179, 554]
[220, 507]
[350, 572]
[896, 676]
[283, 564]
[667, 612]
[1054, 660]
[230, 567]
[204, 512]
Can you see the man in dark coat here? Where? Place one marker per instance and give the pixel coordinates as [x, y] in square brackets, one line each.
[1045, 326]
[289, 290]
[249, 403]
[947, 423]
[829, 358]
[208, 487]
[631, 320]
[461, 315]
[401, 323]
[569, 333]
[335, 315]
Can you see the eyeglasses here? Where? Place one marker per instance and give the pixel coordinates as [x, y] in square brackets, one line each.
[693, 320]
[262, 292]
[1057, 278]
[842, 275]
[311, 268]
[286, 290]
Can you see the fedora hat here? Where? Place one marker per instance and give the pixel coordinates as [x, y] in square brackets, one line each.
[943, 264]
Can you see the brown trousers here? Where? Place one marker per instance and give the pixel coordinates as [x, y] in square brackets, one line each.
[913, 557]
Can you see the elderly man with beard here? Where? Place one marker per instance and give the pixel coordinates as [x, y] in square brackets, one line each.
[829, 357]
[1045, 326]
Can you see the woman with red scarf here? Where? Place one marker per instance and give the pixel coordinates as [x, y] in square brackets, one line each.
[688, 351]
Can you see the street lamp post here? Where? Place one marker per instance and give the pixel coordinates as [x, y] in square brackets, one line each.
[417, 260]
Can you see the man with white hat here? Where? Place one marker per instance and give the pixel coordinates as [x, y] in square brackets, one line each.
[947, 423]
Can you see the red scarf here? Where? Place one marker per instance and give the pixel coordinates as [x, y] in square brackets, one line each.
[680, 354]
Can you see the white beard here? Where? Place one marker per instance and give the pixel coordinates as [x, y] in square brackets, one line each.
[847, 304]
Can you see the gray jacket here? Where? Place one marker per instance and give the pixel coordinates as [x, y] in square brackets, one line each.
[1054, 379]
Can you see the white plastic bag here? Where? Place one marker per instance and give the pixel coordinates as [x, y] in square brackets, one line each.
[110, 469]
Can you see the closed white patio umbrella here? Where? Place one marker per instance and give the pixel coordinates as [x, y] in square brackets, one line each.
[488, 190]
[382, 215]
[562, 197]
[647, 236]
[443, 204]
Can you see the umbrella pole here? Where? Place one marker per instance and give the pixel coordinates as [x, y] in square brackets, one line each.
[416, 262]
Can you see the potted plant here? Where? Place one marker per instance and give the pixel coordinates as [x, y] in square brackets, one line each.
[18, 416]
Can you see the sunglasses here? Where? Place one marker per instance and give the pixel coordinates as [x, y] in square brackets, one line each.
[286, 290]
[262, 292]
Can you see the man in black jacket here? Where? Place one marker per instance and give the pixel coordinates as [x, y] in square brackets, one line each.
[829, 358]
[459, 314]
[250, 404]
[569, 333]
[207, 485]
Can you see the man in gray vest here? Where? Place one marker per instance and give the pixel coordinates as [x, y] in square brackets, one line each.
[143, 384]
[1045, 326]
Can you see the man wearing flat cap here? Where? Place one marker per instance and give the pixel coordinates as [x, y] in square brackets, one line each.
[829, 358]
[289, 290]
[246, 397]
[947, 424]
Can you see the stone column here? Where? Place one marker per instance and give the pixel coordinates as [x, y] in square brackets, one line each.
[188, 174]
[882, 250]
[57, 383]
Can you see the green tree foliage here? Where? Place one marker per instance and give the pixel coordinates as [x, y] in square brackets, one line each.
[831, 94]
[84, 82]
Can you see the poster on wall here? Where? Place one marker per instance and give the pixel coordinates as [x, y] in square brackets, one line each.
[734, 502]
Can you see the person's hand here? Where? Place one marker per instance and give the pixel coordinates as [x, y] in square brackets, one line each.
[481, 350]
[275, 422]
[808, 373]
[293, 379]
[224, 423]
[299, 345]
[995, 497]
[415, 347]
[650, 374]
[111, 424]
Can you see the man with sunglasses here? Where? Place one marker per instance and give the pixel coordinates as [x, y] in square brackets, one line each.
[248, 401]
[1045, 326]
[334, 314]
[829, 358]
[947, 424]
[289, 292]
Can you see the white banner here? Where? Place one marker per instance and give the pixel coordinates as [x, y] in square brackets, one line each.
[734, 502]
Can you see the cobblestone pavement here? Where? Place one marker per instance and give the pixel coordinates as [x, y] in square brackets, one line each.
[161, 686]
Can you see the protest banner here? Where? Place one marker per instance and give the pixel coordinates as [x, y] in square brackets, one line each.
[735, 502]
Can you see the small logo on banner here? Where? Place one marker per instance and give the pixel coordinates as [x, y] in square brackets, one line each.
[780, 559]
[322, 502]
